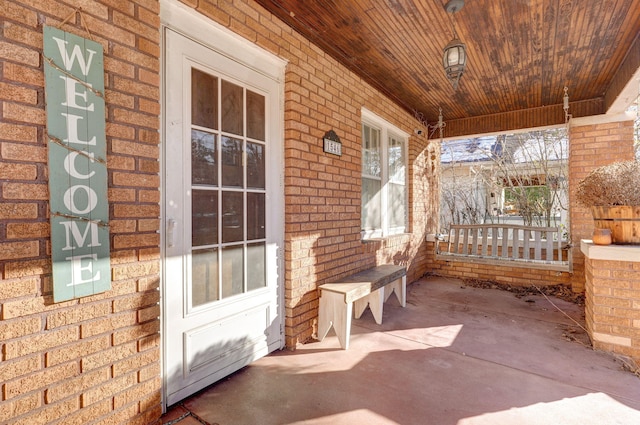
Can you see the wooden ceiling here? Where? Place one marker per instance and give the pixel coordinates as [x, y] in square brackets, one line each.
[521, 55]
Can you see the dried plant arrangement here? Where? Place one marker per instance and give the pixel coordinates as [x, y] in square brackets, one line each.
[611, 185]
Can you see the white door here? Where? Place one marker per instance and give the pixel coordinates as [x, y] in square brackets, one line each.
[223, 208]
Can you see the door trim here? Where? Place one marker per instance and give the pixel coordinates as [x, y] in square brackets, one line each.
[193, 25]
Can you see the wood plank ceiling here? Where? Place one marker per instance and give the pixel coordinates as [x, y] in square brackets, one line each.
[521, 54]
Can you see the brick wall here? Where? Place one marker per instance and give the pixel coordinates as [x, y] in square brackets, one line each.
[591, 146]
[611, 287]
[515, 276]
[322, 191]
[96, 358]
[612, 308]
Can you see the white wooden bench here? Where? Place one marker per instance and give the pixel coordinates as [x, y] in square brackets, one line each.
[371, 287]
[507, 245]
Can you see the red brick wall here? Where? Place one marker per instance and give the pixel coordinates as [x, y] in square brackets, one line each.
[591, 146]
[96, 358]
[515, 276]
[612, 307]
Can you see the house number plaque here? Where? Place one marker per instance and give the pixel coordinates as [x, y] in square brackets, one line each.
[332, 143]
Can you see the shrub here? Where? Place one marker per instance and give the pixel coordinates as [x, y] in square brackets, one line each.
[614, 184]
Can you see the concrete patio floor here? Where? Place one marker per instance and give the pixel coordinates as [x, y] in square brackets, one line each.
[456, 355]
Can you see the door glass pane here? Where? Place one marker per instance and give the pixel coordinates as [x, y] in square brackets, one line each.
[204, 163]
[204, 99]
[232, 214]
[204, 279]
[232, 108]
[231, 162]
[236, 164]
[255, 116]
[232, 271]
[256, 270]
[255, 216]
[204, 220]
[255, 166]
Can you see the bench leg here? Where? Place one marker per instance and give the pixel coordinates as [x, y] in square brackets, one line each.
[335, 312]
[390, 290]
[360, 306]
[398, 286]
[401, 291]
[375, 301]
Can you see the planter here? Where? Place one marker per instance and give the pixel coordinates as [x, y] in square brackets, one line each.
[623, 221]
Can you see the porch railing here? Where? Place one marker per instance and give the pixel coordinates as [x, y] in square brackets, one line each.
[506, 245]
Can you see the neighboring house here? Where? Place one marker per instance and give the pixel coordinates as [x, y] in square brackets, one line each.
[512, 178]
[225, 210]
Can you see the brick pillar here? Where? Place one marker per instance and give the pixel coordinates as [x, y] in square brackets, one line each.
[612, 308]
[593, 142]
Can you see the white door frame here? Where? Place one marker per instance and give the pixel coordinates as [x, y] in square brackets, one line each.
[197, 27]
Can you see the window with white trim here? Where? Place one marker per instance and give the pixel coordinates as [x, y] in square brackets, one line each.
[384, 185]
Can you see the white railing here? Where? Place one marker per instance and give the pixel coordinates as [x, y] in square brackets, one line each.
[511, 245]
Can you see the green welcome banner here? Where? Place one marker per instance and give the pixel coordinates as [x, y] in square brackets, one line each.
[74, 90]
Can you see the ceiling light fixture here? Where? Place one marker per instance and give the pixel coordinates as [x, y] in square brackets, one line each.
[454, 58]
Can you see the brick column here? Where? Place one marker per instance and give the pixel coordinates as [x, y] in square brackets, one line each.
[612, 310]
[593, 142]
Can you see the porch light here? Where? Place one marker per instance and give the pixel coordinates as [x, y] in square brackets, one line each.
[454, 59]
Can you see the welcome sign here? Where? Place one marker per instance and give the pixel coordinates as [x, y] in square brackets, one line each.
[74, 90]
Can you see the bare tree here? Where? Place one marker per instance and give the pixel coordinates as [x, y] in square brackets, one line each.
[532, 170]
[517, 175]
[461, 203]
[463, 198]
